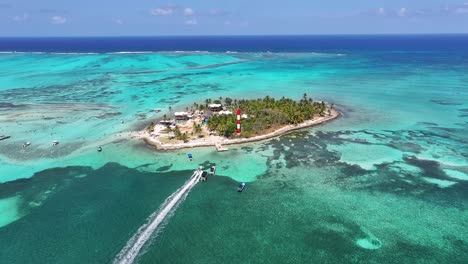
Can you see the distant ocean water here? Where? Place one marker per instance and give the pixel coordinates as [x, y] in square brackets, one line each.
[385, 183]
[330, 43]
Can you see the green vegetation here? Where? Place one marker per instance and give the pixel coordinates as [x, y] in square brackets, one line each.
[263, 114]
[197, 128]
[179, 135]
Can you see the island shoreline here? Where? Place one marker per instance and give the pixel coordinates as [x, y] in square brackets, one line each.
[145, 136]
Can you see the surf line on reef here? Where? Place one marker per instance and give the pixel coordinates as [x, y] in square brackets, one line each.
[129, 253]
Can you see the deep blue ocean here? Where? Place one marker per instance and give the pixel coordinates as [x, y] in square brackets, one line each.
[331, 43]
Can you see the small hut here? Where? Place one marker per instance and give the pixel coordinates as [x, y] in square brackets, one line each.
[215, 107]
[166, 122]
[181, 116]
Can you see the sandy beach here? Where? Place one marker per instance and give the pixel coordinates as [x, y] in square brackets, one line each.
[154, 138]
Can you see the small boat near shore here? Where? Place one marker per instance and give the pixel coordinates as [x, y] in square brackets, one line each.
[241, 187]
[26, 144]
[4, 137]
[212, 170]
[204, 176]
[55, 143]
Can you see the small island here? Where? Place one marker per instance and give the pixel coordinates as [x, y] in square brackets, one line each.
[214, 122]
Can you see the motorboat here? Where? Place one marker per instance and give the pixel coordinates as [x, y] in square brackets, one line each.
[212, 170]
[241, 187]
[26, 144]
[99, 149]
[204, 176]
[55, 143]
[189, 156]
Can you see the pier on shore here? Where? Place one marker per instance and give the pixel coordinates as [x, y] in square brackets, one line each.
[220, 148]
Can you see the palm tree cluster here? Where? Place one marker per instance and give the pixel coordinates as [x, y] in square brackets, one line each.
[264, 114]
[197, 128]
[179, 135]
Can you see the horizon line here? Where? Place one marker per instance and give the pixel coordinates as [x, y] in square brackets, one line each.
[240, 35]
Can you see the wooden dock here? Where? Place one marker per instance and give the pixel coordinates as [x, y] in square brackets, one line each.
[220, 148]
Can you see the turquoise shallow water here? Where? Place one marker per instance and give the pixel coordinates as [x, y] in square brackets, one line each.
[386, 183]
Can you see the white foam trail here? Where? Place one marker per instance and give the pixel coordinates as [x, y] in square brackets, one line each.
[128, 254]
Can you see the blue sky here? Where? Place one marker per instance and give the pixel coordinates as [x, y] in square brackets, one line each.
[238, 17]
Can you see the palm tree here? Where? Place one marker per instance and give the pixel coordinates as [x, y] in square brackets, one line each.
[177, 132]
[267, 101]
[184, 137]
[228, 101]
[197, 128]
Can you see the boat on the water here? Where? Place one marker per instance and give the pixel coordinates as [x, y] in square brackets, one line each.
[241, 187]
[99, 149]
[55, 143]
[26, 144]
[4, 137]
[204, 176]
[212, 170]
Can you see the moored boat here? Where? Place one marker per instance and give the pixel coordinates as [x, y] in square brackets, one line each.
[204, 176]
[241, 187]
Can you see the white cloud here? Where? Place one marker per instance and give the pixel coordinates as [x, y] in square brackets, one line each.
[191, 22]
[461, 10]
[402, 12]
[58, 20]
[381, 11]
[217, 12]
[161, 11]
[119, 21]
[227, 22]
[21, 18]
[188, 11]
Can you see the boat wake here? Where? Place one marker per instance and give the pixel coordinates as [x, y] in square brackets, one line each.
[129, 253]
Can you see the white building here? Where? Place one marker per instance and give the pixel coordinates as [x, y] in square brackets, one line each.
[225, 113]
[215, 107]
[181, 115]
